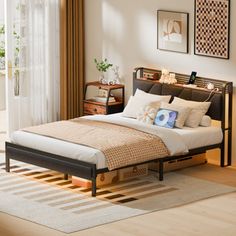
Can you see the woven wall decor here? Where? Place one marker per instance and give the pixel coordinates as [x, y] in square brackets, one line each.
[212, 19]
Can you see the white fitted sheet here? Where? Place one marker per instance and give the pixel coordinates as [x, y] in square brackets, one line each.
[191, 138]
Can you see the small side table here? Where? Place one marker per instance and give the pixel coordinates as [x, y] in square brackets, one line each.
[92, 107]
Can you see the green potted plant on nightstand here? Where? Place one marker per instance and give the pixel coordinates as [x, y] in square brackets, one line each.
[102, 66]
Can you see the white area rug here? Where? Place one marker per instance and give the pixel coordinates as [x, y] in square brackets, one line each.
[44, 197]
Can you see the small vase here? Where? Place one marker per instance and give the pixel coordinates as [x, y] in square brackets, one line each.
[101, 78]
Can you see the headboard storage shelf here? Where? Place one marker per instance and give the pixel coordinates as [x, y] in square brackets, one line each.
[221, 99]
[201, 82]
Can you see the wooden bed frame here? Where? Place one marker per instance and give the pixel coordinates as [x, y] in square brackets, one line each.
[221, 109]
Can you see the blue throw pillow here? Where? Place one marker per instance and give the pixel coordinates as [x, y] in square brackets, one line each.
[166, 118]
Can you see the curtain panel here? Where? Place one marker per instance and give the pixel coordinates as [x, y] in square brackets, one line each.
[71, 58]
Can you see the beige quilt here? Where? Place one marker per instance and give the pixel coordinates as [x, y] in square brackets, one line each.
[122, 146]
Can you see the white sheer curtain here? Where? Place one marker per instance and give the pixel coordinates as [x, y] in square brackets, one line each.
[42, 59]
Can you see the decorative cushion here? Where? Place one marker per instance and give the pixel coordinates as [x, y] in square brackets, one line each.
[206, 121]
[183, 113]
[166, 118]
[147, 114]
[142, 99]
[198, 110]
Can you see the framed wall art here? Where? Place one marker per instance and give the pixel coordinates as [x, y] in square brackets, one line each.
[172, 31]
[211, 37]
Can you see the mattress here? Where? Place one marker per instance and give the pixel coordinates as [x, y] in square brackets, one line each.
[192, 138]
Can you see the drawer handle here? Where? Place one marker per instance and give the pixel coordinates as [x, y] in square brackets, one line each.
[95, 109]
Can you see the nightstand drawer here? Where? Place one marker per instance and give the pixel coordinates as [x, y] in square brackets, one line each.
[94, 109]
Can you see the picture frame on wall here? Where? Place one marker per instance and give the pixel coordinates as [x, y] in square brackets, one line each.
[212, 28]
[172, 31]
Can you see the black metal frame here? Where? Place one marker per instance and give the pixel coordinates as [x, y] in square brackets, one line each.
[89, 171]
[75, 167]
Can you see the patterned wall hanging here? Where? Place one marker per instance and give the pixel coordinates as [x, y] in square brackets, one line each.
[212, 19]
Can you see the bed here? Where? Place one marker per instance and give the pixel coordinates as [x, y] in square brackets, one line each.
[87, 162]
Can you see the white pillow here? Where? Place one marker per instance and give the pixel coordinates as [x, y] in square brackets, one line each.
[134, 104]
[183, 113]
[152, 97]
[206, 121]
[147, 114]
[142, 99]
[198, 110]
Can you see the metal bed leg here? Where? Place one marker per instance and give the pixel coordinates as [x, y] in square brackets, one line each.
[7, 164]
[222, 156]
[229, 161]
[161, 165]
[94, 187]
[66, 176]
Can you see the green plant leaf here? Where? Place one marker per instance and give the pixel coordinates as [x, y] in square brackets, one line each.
[102, 65]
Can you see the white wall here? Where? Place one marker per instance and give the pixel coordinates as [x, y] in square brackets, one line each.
[125, 32]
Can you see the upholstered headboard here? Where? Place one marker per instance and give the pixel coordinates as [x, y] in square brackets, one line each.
[217, 98]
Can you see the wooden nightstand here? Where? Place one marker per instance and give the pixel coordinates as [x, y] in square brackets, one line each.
[92, 107]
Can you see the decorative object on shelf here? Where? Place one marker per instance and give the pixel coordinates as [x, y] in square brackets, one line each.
[210, 86]
[156, 76]
[164, 76]
[172, 78]
[167, 77]
[172, 31]
[102, 66]
[212, 18]
[117, 75]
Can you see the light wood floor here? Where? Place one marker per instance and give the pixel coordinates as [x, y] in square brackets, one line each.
[213, 216]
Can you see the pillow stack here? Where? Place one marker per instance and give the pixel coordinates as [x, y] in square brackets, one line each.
[148, 107]
[197, 111]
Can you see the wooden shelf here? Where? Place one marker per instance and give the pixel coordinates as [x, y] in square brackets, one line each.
[105, 86]
[178, 85]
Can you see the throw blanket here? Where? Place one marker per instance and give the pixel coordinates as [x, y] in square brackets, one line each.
[122, 146]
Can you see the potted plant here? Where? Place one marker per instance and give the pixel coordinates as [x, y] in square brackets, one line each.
[102, 66]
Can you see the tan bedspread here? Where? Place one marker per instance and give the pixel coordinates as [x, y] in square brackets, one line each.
[121, 145]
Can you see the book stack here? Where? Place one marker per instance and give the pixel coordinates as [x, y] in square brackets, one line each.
[103, 99]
